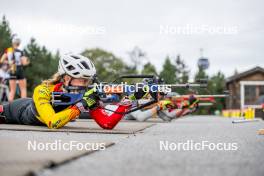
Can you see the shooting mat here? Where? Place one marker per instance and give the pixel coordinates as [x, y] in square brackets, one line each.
[83, 126]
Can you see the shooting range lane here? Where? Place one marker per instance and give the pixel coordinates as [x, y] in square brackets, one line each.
[17, 159]
[141, 154]
[151, 120]
[84, 126]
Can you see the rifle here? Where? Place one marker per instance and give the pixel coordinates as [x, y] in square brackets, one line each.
[62, 98]
[66, 99]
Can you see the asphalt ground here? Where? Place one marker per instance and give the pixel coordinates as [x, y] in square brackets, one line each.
[143, 154]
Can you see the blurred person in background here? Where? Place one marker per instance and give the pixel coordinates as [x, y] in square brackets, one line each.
[16, 60]
[4, 76]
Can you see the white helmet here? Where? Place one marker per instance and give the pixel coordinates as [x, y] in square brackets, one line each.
[16, 39]
[171, 94]
[76, 66]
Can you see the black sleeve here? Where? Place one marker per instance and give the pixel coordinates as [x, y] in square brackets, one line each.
[19, 51]
[22, 53]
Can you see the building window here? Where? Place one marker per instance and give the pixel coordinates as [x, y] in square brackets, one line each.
[250, 94]
[254, 94]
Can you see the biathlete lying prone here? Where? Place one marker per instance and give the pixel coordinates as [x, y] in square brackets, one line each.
[167, 107]
[73, 71]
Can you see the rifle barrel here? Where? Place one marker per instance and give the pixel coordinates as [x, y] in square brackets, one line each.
[203, 96]
[185, 85]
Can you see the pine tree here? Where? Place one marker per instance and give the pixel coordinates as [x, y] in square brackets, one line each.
[149, 69]
[43, 64]
[201, 74]
[182, 73]
[5, 35]
[168, 72]
[216, 85]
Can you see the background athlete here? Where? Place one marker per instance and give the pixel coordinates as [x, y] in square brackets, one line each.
[16, 59]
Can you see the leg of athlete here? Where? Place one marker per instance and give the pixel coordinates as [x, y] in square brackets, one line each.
[19, 112]
[23, 88]
[144, 115]
[12, 85]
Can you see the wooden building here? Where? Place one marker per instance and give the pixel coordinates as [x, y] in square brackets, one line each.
[246, 89]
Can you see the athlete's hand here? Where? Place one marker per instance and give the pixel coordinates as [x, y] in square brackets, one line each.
[126, 101]
[193, 101]
[165, 104]
[25, 61]
[139, 94]
[185, 104]
[91, 98]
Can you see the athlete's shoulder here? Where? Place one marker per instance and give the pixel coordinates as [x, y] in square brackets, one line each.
[18, 50]
[43, 90]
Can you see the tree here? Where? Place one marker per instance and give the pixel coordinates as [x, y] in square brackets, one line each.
[5, 35]
[108, 66]
[137, 56]
[168, 72]
[201, 74]
[182, 73]
[216, 85]
[43, 64]
[149, 69]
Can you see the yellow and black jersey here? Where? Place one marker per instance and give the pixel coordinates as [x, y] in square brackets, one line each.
[42, 97]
